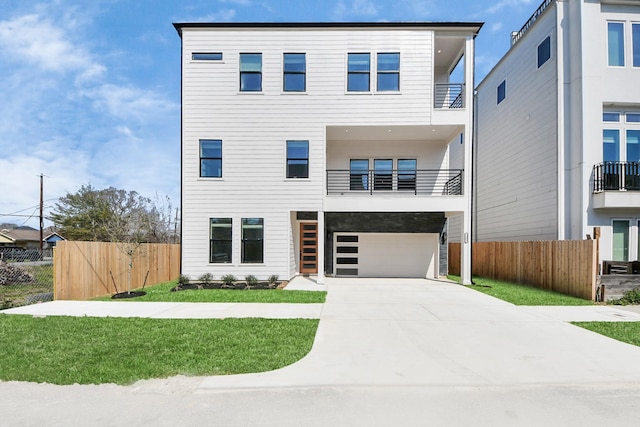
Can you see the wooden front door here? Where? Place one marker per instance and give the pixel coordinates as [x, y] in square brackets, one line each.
[308, 247]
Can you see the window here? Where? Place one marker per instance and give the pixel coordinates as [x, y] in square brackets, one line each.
[620, 240]
[359, 174]
[544, 51]
[502, 91]
[252, 240]
[615, 39]
[610, 145]
[297, 159]
[250, 72]
[633, 145]
[221, 242]
[383, 174]
[206, 56]
[359, 68]
[610, 117]
[633, 117]
[295, 68]
[211, 158]
[407, 169]
[388, 72]
[635, 40]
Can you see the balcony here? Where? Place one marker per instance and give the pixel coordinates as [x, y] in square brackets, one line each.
[431, 182]
[449, 96]
[616, 185]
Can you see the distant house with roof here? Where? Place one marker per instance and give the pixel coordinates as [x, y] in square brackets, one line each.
[28, 238]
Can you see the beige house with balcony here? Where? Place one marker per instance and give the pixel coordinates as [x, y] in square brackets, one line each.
[325, 148]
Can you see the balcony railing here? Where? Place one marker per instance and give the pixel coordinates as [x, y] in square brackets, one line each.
[616, 176]
[431, 182]
[449, 96]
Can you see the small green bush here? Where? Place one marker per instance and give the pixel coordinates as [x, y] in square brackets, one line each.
[183, 279]
[628, 298]
[251, 280]
[273, 280]
[206, 278]
[228, 280]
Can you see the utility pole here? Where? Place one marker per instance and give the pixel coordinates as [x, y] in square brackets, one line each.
[41, 212]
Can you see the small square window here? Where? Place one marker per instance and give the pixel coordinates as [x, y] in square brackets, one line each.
[544, 51]
[206, 56]
[502, 91]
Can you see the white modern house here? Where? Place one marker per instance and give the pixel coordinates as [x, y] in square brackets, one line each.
[558, 130]
[325, 148]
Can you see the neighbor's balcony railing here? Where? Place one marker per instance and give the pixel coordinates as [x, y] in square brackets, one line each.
[449, 96]
[616, 176]
[431, 182]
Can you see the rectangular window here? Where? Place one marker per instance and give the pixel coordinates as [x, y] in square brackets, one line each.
[221, 242]
[502, 91]
[383, 174]
[297, 159]
[359, 174]
[211, 158]
[388, 72]
[544, 51]
[610, 117]
[407, 169]
[610, 145]
[359, 68]
[295, 69]
[252, 240]
[633, 145]
[621, 240]
[633, 118]
[635, 40]
[615, 40]
[250, 72]
[206, 56]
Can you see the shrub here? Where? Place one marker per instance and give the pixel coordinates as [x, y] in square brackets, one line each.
[183, 279]
[251, 280]
[273, 280]
[630, 297]
[206, 278]
[228, 280]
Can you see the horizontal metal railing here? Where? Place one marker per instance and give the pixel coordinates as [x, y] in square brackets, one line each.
[429, 182]
[616, 176]
[449, 96]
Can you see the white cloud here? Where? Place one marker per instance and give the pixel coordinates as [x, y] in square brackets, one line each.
[223, 15]
[495, 27]
[504, 4]
[421, 8]
[130, 102]
[355, 8]
[238, 2]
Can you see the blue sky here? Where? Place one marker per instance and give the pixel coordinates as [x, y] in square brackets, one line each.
[90, 89]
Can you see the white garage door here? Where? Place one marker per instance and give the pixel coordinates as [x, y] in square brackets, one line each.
[386, 254]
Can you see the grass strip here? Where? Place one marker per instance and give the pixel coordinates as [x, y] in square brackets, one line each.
[91, 350]
[522, 294]
[628, 332]
[162, 293]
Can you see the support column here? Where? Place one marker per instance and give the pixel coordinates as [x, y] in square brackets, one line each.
[466, 238]
[321, 235]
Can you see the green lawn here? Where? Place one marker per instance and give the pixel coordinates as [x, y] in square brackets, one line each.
[522, 294]
[628, 332]
[162, 293]
[90, 350]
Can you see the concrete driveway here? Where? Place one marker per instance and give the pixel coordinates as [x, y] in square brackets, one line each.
[387, 352]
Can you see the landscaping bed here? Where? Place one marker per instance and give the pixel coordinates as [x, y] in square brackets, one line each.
[220, 285]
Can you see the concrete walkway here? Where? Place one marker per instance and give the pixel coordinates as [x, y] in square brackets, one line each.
[387, 352]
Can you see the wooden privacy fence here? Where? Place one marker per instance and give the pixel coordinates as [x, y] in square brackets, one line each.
[84, 270]
[566, 266]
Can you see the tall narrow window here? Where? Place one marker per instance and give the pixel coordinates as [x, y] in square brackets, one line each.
[252, 240]
[297, 159]
[407, 174]
[544, 51]
[610, 145]
[359, 174]
[210, 158]
[221, 242]
[621, 240]
[250, 72]
[615, 43]
[388, 72]
[502, 91]
[633, 145]
[635, 40]
[295, 69]
[383, 174]
[359, 69]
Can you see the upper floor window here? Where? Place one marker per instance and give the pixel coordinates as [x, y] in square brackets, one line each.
[206, 56]
[388, 72]
[211, 158]
[544, 51]
[250, 72]
[297, 159]
[502, 91]
[635, 39]
[610, 117]
[621, 136]
[615, 43]
[252, 240]
[220, 244]
[295, 69]
[359, 69]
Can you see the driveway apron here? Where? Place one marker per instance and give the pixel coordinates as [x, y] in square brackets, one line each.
[424, 332]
